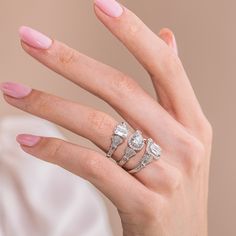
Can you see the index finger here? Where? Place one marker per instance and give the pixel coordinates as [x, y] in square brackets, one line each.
[161, 62]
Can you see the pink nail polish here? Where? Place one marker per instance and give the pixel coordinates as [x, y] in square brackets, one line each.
[34, 38]
[15, 90]
[28, 140]
[110, 7]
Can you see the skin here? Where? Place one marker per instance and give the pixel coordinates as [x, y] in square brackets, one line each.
[168, 197]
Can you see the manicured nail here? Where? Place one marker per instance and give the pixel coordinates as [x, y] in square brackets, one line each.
[110, 7]
[28, 140]
[34, 38]
[15, 90]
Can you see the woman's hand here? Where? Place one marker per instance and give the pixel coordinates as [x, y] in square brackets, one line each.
[169, 196]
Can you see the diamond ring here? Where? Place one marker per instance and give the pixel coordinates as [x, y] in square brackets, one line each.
[135, 143]
[153, 152]
[119, 135]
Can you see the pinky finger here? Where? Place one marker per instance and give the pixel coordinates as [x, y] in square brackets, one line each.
[105, 175]
[169, 38]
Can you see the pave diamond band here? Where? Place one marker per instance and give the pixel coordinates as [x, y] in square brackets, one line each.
[153, 152]
[119, 135]
[147, 159]
[135, 143]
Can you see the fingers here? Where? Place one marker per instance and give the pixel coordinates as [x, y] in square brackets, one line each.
[117, 89]
[169, 38]
[113, 181]
[158, 59]
[87, 122]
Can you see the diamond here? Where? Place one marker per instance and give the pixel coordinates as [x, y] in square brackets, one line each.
[121, 130]
[117, 140]
[146, 160]
[136, 141]
[153, 149]
[129, 153]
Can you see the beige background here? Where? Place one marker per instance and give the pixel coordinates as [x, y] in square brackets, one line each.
[206, 36]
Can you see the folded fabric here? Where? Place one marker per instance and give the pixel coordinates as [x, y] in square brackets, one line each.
[40, 199]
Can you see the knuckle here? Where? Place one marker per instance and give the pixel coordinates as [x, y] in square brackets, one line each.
[66, 55]
[100, 121]
[93, 167]
[42, 103]
[150, 214]
[195, 147]
[206, 130]
[172, 178]
[194, 154]
[133, 27]
[123, 86]
[149, 199]
[175, 181]
[27, 106]
[36, 102]
[55, 149]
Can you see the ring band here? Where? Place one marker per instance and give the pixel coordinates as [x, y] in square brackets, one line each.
[135, 143]
[120, 133]
[153, 152]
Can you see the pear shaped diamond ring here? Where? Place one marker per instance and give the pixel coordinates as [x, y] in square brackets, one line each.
[135, 144]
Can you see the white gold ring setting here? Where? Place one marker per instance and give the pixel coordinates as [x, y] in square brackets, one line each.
[153, 152]
[119, 135]
[136, 143]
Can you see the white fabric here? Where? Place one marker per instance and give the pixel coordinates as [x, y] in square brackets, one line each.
[40, 199]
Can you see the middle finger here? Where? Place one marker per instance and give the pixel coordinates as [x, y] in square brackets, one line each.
[117, 89]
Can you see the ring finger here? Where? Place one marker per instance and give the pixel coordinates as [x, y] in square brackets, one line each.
[85, 121]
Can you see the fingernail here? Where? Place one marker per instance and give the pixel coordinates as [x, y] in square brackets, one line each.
[110, 7]
[34, 38]
[28, 140]
[15, 90]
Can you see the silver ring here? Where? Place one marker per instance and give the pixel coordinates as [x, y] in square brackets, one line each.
[153, 152]
[135, 144]
[120, 133]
